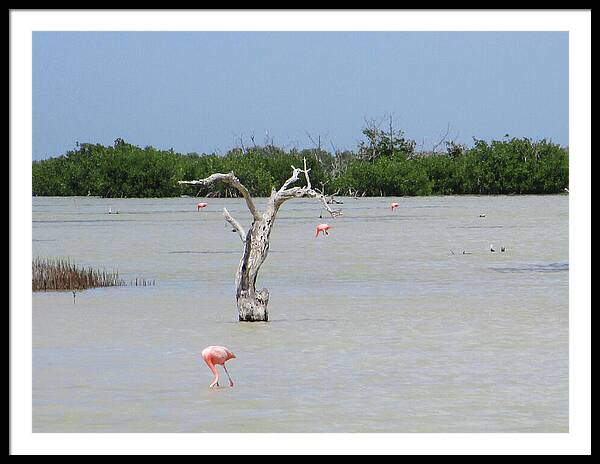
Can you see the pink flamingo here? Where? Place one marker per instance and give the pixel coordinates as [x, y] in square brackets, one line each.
[322, 228]
[394, 206]
[199, 206]
[214, 355]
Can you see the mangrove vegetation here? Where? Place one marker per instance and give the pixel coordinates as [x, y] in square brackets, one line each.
[385, 163]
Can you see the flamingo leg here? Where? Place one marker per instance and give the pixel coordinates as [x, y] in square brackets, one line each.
[214, 370]
[228, 376]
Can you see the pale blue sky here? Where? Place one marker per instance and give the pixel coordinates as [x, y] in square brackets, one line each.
[199, 91]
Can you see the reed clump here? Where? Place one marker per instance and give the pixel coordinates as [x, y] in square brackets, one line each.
[61, 274]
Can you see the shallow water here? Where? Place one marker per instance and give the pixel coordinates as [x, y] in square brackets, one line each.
[383, 326]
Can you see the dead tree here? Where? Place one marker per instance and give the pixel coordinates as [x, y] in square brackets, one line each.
[442, 140]
[252, 304]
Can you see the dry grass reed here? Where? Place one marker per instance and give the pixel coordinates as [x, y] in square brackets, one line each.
[61, 274]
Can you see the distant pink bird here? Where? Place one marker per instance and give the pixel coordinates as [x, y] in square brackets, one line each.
[214, 355]
[394, 206]
[323, 228]
[199, 206]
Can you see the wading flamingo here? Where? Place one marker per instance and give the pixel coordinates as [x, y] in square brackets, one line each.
[199, 206]
[394, 206]
[214, 355]
[323, 228]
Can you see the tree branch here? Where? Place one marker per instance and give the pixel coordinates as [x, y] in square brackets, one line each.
[291, 180]
[435, 146]
[285, 193]
[236, 225]
[306, 175]
[231, 180]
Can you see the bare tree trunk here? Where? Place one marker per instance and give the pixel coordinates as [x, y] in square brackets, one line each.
[252, 304]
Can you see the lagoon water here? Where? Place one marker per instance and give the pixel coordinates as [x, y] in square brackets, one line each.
[383, 326]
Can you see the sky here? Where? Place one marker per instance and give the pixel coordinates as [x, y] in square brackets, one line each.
[204, 91]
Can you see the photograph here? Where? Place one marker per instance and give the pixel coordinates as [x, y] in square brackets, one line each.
[298, 230]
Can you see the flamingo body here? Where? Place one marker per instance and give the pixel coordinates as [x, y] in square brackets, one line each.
[199, 206]
[322, 228]
[215, 355]
[394, 206]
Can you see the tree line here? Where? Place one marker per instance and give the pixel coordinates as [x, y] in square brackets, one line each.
[383, 164]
